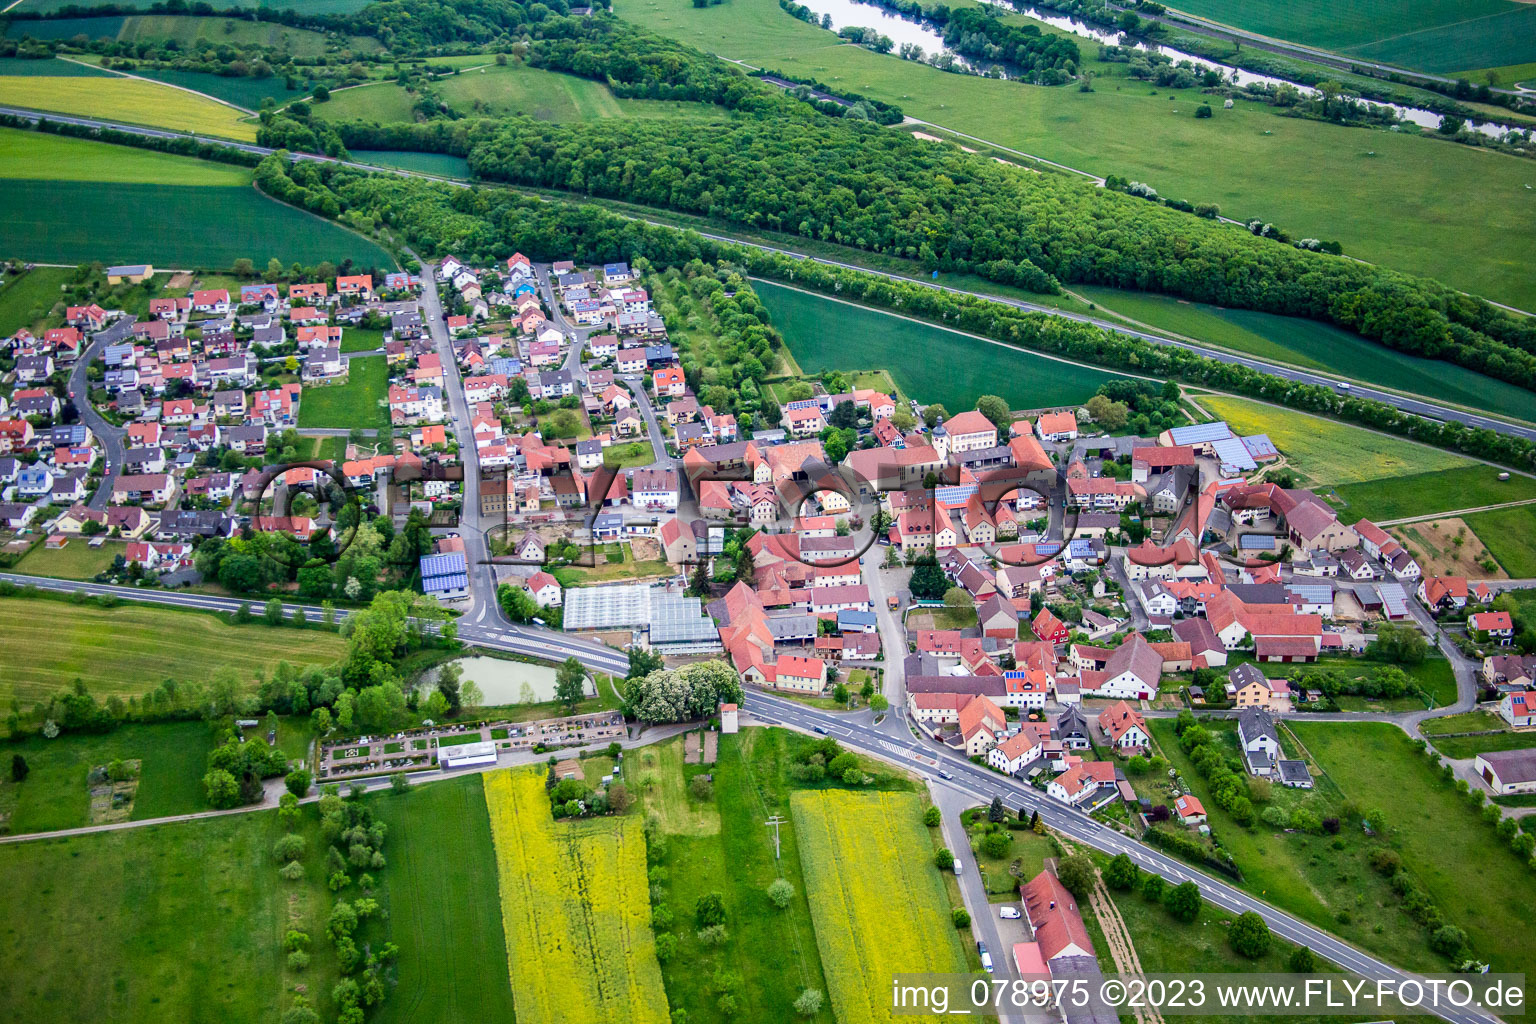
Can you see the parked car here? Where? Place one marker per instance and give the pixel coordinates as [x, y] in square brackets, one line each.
[986, 958]
[1008, 913]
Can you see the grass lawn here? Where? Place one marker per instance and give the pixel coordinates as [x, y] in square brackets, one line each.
[23, 154]
[606, 571]
[658, 775]
[1422, 494]
[54, 796]
[1437, 833]
[1326, 880]
[353, 404]
[441, 886]
[126, 99]
[382, 101]
[1471, 721]
[26, 300]
[130, 649]
[169, 225]
[1025, 858]
[827, 334]
[1315, 345]
[177, 922]
[1465, 747]
[632, 453]
[77, 560]
[361, 339]
[1509, 534]
[1458, 214]
[1327, 451]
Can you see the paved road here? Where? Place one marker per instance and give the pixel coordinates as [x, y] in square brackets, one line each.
[80, 386]
[275, 789]
[531, 641]
[1407, 404]
[982, 785]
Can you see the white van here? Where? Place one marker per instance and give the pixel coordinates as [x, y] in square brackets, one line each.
[986, 958]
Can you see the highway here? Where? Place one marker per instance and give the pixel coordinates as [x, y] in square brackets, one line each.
[1406, 403]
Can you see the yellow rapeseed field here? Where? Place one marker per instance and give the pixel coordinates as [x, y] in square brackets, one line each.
[843, 836]
[575, 906]
[132, 100]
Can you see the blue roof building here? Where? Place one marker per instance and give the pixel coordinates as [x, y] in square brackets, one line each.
[446, 576]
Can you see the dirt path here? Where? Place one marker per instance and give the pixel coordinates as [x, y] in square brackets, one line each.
[1116, 935]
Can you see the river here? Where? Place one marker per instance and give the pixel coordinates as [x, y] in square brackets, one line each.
[851, 12]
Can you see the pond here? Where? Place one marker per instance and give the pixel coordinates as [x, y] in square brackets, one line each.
[504, 682]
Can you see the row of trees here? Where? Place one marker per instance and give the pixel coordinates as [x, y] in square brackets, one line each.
[490, 224]
[885, 192]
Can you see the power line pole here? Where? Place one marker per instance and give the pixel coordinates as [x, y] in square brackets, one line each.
[774, 823]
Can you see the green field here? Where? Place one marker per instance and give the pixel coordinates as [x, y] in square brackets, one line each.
[130, 100]
[25, 300]
[1509, 534]
[1454, 213]
[514, 89]
[51, 67]
[310, 6]
[169, 225]
[353, 404]
[1317, 346]
[54, 796]
[189, 31]
[1327, 451]
[24, 153]
[243, 91]
[1421, 494]
[552, 96]
[382, 101]
[130, 649]
[430, 163]
[1428, 35]
[175, 922]
[826, 334]
[1436, 832]
[631, 453]
[441, 886]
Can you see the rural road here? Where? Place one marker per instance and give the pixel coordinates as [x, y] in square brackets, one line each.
[934, 763]
[1406, 403]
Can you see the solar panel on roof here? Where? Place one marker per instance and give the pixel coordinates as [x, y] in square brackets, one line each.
[1200, 433]
[1232, 452]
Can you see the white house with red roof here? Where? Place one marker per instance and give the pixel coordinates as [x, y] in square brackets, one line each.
[1057, 426]
[1189, 809]
[1499, 626]
[545, 589]
[970, 431]
[1519, 708]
